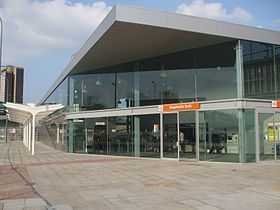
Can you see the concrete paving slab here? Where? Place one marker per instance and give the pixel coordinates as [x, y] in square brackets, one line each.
[86, 182]
[60, 207]
[34, 202]
[10, 204]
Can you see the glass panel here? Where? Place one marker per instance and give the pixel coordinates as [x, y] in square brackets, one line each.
[250, 136]
[202, 137]
[187, 135]
[87, 91]
[79, 136]
[259, 74]
[277, 68]
[178, 86]
[216, 83]
[149, 135]
[96, 141]
[60, 95]
[124, 90]
[2, 131]
[267, 136]
[149, 86]
[170, 136]
[120, 141]
[277, 134]
[206, 73]
[219, 140]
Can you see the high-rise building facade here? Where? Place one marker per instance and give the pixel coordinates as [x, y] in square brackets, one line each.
[11, 84]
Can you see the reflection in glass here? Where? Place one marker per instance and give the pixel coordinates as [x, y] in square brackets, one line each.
[124, 90]
[267, 136]
[120, 140]
[206, 73]
[277, 134]
[96, 136]
[60, 95]
[92, 91]
[250, 135]
[170, 136]
[125, 135]
[216, 83]
[187, 135]
[259, 74]
[149, 130]
[219, 139]
[79, 144]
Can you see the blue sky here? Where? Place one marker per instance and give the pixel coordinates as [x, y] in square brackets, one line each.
[41, 35]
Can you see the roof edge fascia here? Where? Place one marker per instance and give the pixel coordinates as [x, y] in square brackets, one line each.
[182, 22]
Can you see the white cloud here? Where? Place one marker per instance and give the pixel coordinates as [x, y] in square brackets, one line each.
[277, 21]
[214, 10]
[34, 27]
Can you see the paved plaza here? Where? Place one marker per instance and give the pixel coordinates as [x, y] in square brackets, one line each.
[55, 180]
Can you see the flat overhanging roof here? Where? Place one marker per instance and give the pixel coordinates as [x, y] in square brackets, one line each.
[131, 33]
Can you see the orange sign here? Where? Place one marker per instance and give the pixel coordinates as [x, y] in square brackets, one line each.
[276, 104]
[180, 107]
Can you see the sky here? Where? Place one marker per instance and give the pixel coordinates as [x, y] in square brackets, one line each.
[42, 35]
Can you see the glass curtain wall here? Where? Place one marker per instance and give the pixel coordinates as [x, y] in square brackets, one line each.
[219, 136]
[187, 135]
[147, 136]
[207, 73]
[137, 136]
[261, 70]
[77, 143]
[277, 134]
[267, 136]
[92, 92]
[96, 136]
[170, 135]
[249, 135]
[277, 68]
[120, 137]
[60, 95]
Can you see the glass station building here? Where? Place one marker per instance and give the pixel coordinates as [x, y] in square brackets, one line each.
[162, 85]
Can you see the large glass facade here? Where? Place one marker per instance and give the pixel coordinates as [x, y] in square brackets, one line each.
[261, 70]
[187, 135]
[195, 75]
[60, 95]
[219, 136]
[92, 91]
[249, 142]
[202, 74]
[137, 136]
[170, 135]
[267, 136]
[120, 136]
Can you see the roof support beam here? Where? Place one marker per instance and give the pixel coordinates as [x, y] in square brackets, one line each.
[29, 135]
[33, 133]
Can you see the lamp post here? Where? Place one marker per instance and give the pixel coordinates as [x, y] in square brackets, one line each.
[1, 44]
[1, 41]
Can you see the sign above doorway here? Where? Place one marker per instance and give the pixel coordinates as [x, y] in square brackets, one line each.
[276, 104]
[180, 107]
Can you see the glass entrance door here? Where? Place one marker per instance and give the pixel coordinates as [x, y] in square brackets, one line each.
[277, 134]
[267, 136]
[170, 135]
[96, 136]
[187, 135]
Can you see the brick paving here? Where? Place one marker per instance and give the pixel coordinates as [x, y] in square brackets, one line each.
[85, 182]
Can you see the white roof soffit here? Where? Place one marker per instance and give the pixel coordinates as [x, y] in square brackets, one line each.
[130, 33]
[20, 112]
